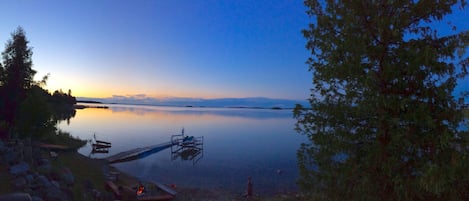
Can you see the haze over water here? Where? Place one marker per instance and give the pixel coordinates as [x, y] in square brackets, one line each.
[237, 143]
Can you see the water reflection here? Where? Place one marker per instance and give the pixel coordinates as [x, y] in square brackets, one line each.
[227, 112]
[237, 143]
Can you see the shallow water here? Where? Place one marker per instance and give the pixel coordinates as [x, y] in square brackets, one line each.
[238, 143]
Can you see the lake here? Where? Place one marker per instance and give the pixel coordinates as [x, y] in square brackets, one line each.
[238, 143]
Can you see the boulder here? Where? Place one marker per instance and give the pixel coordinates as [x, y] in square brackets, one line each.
[2, 147]
[15, 197]
[19, 183]
[10, 156]
[55, 194]
[36, 152]
[19, 168]
[35, 198]
[29, 178]
[44, 166]
[28, 154]
[42, 181]
[67, 176]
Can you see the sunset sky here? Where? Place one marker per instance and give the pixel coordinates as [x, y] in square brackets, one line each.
[170, 48]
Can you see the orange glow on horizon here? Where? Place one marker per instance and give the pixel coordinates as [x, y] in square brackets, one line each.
[91, 89]
[96, 92]
[102, 87]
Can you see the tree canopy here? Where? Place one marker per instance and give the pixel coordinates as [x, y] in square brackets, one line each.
[383, 123]
[26, 109]
[17, 60]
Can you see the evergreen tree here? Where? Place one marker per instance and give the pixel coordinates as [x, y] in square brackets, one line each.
[383, 123]
[17, 74]
[17, 60]
[2, 72]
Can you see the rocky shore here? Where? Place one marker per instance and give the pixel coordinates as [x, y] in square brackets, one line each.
[33, 173]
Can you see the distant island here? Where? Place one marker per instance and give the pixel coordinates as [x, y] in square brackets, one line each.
[89, 101]
[79, 107]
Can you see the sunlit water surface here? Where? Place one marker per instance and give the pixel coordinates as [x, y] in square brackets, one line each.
[238, 143]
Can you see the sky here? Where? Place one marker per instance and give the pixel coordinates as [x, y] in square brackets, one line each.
[170, 48]
[159, 48]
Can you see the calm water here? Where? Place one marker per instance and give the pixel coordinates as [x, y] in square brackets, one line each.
[237, 143]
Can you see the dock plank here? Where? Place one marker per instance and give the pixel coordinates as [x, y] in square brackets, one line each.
[165, 188]
[137, 152]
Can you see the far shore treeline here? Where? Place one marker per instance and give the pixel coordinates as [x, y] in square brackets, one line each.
[27, 110]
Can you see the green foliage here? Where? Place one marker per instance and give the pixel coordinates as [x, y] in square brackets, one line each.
[383, 124]
[34, 116]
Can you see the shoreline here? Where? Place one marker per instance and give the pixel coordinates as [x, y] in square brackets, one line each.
[77, 177]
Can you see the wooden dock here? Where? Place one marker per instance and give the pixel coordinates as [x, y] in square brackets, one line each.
[181, 142]
[137, 153]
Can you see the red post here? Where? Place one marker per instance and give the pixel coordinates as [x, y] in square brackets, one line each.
[249, 188]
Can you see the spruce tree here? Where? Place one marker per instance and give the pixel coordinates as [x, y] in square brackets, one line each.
[17, 75]
[17, 60]
[383, 122]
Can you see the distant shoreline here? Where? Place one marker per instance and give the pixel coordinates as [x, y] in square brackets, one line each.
[79, 107]
[187, 106]
[249, 102]
[89, 101]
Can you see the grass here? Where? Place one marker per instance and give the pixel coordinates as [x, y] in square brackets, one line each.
[466, 113]
[83, 169]
[4, 180]
[64, 138]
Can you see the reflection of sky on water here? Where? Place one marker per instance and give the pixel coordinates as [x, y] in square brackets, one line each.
[230, 112]
[237, 143]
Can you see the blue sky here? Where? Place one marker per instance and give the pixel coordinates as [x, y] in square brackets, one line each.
[208, 49]
[170, 48]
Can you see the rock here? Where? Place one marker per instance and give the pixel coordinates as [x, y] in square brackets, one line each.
[36, 153]
[42, 181]
[28, 154]
[55, 194]
[88, 185]
[43, 161]
[3, 148]
[35, 198]
[55, 184]
[20, 168]
[54, 155]
[19, 183]
[29, 178]
[15, 197]
[19, 148]
[67, 176]
[44, 165]
[10, 156]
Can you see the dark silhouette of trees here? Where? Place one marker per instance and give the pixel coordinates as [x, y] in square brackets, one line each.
[34, 116]
[383, 123]
[61, 98]
[26, 109]
[17, 75]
